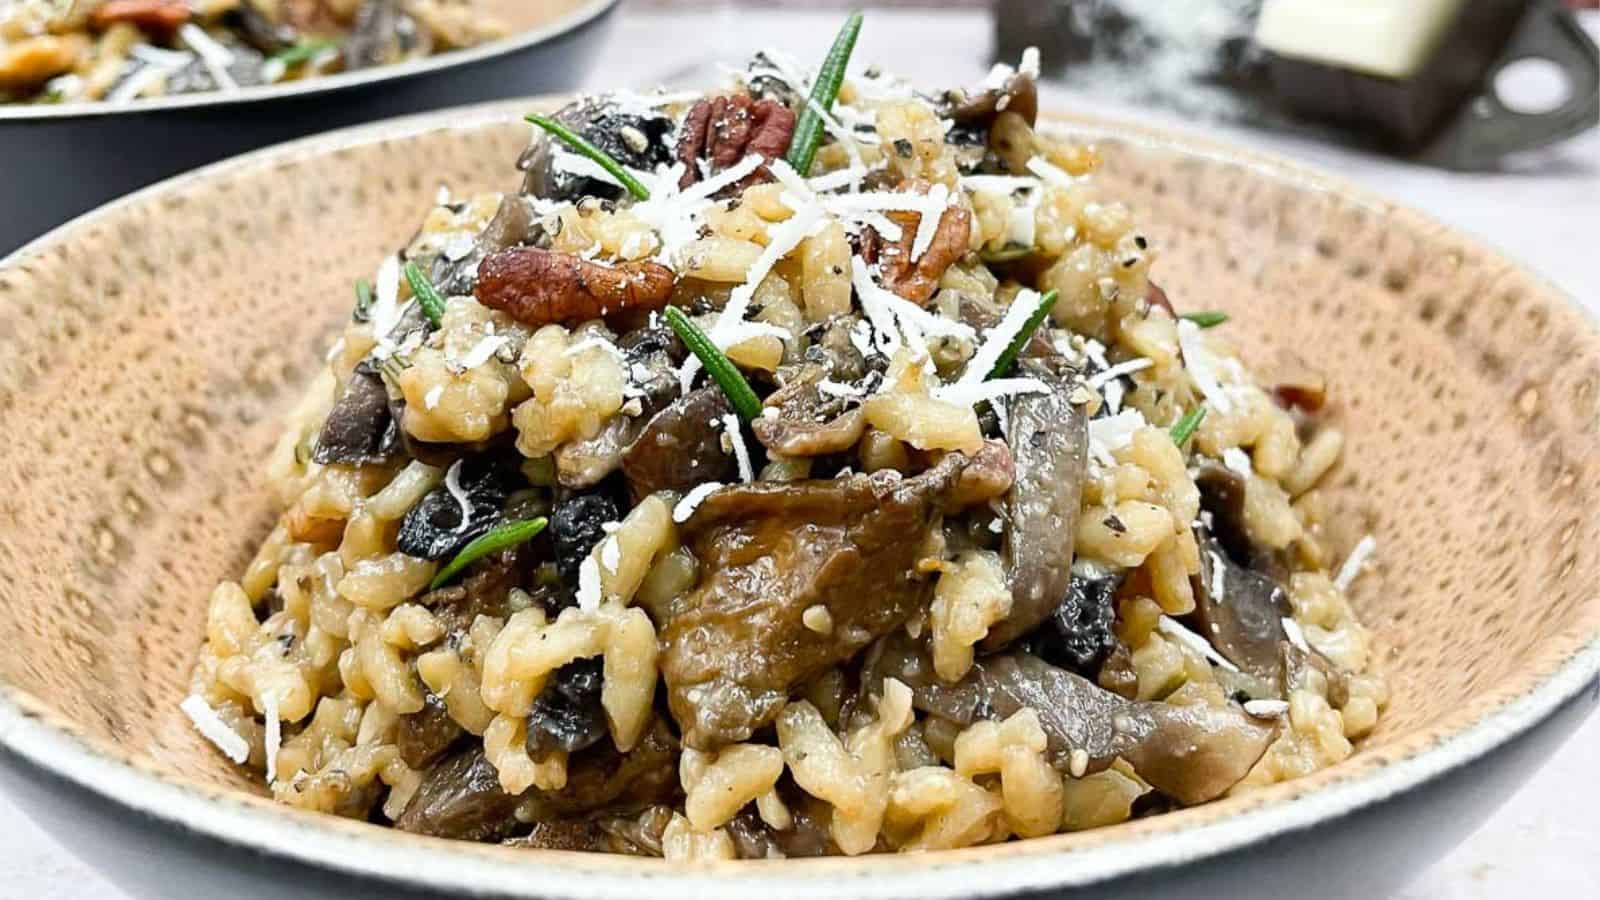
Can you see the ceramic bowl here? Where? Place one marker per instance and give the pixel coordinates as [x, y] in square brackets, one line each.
[146, 350]
[79, 155]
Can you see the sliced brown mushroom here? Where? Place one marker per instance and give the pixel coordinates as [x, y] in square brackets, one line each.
[794, 578]
[1049, 442]
[680, 446]
[360, 429]
[1241, 613]
[807, 421]
[1019, 94]
[460, 797]
[424, 736]
[1190, 753]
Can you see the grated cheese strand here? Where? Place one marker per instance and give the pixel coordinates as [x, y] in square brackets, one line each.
[994, 389]
[452, 483]
[269, 710]
[1000, 337]
[741, 453]
[1173, 629]
[212, 728]
[1119, 370]
[691, 501]
[1354, 562]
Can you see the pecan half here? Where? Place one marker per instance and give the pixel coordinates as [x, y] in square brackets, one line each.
[159, 17]
[727, 129]
[918, 280]
[538, 287]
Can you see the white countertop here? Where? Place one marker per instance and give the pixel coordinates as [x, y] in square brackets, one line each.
[1543, 842]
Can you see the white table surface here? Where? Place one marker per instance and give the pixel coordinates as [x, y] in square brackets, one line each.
[1544, 842]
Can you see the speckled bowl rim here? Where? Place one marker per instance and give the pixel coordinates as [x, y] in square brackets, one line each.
[574, 20]
[39, 734]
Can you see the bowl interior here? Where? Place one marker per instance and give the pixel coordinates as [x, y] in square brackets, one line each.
[147, 352]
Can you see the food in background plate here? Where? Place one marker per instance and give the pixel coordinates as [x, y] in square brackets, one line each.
[805, 467]
[71, 51]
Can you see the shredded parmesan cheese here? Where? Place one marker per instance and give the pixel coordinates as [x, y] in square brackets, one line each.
[1050, 173]
[741, 453]
[1000, 337]
[835, 389]
[212, 728]
[691, 501]
[481, 351]
[386, 312]
[1173, 629]
[600, 343]
[136, 84]
[215, 57]
[1354, 562]
[1267, 709]
[1119, 370]
[1203, 366]
[1238, 461]
[269, 710]
[452, 483]
[938, 200]
[1029, 65]
[1297, 637]
[972, 394]
[589, 584]
[1111, 433]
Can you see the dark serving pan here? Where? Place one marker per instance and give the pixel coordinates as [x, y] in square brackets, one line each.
[59, 161]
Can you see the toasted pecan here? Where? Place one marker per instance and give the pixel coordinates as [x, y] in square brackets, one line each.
[161, 17]
[918, 280]
[538, 287]
[726, 129]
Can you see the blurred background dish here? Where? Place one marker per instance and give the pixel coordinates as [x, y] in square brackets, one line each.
[123, 51]
[64, 158]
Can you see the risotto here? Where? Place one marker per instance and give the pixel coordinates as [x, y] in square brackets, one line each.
[810, 466]
[70, 51]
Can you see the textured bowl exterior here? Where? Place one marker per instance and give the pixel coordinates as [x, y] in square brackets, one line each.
[78, 157]
[147, 349]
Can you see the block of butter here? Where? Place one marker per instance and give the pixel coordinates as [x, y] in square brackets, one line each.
[1386, 38]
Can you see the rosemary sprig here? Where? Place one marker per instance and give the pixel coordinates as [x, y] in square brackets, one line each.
[364, 298]
[721, 369]
[808, 130]
[1184, 428]
[576, 142]
[500, 537]
[302, 52]
[1206, 318]
[427, 296]
[1008, 357]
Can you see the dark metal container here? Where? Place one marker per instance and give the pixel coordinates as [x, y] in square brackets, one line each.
[59, 161]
